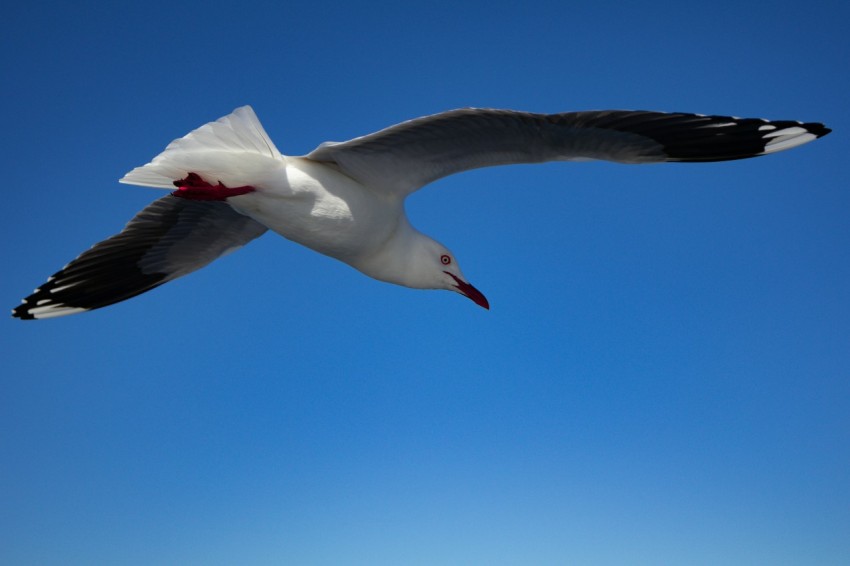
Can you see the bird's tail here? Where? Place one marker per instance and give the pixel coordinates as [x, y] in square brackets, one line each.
[234, 150]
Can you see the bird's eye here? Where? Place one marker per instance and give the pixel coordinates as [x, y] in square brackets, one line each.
[445, 260]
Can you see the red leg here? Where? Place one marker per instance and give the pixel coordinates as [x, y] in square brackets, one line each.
[193, 187]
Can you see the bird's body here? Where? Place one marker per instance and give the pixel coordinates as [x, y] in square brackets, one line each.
[324, 210]
[346, 200]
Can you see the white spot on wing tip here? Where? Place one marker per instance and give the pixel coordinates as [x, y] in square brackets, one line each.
[792, 131]
[51, 311]
[62, 288]
[782, 143]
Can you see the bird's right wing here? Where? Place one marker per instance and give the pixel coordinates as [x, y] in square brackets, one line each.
[170, 238]
[402, 158]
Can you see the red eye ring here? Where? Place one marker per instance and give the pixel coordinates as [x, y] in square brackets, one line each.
[445, 259]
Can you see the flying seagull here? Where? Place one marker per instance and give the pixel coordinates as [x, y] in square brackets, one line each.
[346, 199]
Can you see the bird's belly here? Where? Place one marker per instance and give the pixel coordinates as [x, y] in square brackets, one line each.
[322, 210]
[322, 227]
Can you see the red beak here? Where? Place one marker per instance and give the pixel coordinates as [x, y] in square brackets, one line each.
[471, 292]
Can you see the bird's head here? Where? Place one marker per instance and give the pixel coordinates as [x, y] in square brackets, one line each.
[415, 260]
[453, 280]
[433, 266]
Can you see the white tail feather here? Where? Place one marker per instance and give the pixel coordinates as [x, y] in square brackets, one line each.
[234, 150]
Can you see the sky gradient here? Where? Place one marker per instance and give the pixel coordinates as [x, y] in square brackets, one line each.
[663, 377]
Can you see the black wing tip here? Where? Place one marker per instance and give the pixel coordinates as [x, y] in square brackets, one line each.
[81, 287]
[54, 300]
[816, 128]
[43, 304]
[723, 138]
[22, 312]
[25, 310]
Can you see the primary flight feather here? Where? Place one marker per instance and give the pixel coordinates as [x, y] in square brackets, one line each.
[346, 199]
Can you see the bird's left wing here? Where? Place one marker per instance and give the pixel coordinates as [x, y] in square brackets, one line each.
[170, 238]
[409, 155]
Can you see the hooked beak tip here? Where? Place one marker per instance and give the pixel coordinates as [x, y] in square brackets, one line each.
[471, 292]
[481, 301]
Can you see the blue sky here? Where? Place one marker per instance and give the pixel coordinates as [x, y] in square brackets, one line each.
[663, 376]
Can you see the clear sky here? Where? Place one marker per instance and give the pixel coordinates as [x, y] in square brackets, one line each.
[664, 376]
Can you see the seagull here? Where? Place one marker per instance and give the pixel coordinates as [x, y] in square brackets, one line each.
[345, 200]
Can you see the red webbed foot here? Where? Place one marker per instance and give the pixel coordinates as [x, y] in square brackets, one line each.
[193, 187]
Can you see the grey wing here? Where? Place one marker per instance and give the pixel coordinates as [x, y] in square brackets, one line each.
[168, 239]
[404, 157]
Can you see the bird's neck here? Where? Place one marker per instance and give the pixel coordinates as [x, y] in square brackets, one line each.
[397, 261]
